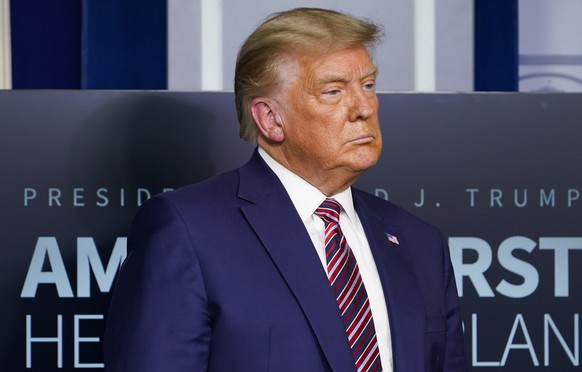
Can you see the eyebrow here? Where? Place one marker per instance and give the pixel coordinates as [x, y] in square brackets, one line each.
[373, 71]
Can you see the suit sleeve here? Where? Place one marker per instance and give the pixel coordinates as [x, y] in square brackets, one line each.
[455, 358]
[158, 319]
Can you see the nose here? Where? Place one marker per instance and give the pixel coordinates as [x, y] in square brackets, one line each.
[362, 104]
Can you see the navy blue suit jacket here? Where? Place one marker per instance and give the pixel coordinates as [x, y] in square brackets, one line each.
[222, 276]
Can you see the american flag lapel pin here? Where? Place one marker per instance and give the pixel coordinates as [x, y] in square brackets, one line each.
[392, 239]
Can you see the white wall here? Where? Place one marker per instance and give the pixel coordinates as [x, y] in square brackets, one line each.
[454, 46]
[550, 45]
[399, 59]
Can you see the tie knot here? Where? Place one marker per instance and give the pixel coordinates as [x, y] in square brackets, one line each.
[329, 210]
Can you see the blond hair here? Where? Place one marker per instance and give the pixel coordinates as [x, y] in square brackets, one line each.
[303, 30]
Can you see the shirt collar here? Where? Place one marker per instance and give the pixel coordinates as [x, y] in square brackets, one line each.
[305, 197]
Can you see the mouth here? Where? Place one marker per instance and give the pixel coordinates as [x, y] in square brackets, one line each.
[363, 139]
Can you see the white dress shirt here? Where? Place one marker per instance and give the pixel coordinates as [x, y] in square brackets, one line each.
[307, 198]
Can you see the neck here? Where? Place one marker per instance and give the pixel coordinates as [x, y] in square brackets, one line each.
[329, 182]
[331, 185]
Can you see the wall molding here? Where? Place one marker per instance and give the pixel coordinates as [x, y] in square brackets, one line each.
[5, 46]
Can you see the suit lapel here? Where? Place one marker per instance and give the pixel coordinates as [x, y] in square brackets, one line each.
[401, 292]
[277, 224]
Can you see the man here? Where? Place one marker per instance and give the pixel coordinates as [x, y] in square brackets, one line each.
[250, 270]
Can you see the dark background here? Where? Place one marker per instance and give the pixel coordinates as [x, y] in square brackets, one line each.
[443, 144]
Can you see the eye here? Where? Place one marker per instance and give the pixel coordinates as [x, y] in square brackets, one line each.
[332, 92]
[370, 85]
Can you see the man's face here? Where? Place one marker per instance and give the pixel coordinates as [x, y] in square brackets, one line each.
[329, 112]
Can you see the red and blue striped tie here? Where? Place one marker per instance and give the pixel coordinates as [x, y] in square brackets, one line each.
[351, 296]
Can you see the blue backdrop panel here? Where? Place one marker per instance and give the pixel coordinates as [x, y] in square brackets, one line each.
[496, 45]
[124, 44]
[499, 173]
[46, 44]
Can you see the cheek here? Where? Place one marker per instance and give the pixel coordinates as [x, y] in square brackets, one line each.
[321, 144]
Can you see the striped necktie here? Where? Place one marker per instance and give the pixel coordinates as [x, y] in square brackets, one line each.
[351, 296]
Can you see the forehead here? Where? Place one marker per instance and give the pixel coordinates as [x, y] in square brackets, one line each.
[312, 69]
[347, 63]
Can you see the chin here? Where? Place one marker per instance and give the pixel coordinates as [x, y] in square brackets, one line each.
[364, 163]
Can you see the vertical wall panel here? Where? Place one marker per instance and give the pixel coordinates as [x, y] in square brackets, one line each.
[454, 46]
[125, 44]
[184, 45]
[5, 49]
[424, 45]
[46, 44]
[496, 45]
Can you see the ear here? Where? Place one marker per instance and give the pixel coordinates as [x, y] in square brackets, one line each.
[267, 119]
